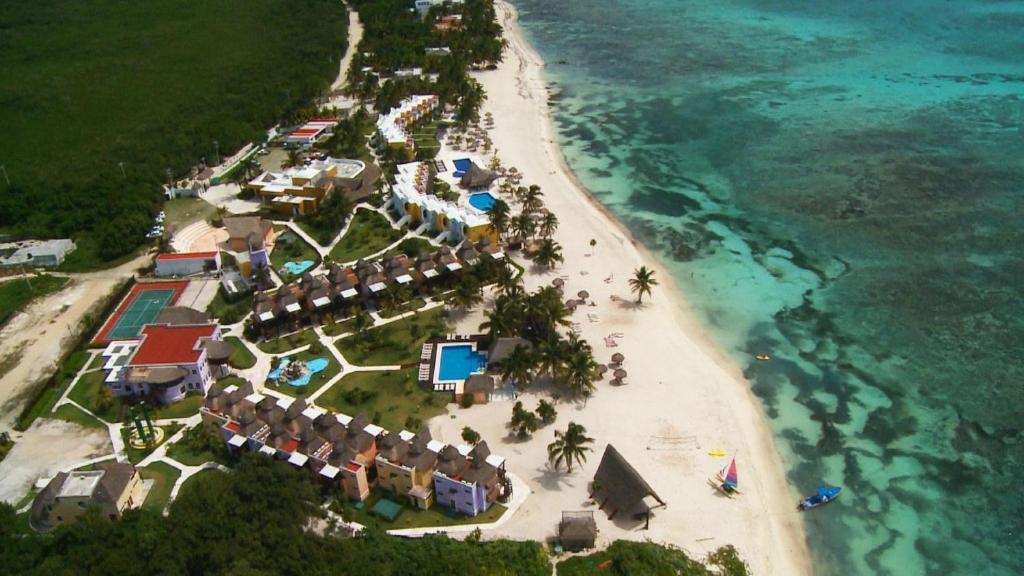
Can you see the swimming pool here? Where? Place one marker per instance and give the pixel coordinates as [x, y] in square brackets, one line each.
[458, 361]
[461, 165]
[312, 367]
[483, 201]
[296, 268]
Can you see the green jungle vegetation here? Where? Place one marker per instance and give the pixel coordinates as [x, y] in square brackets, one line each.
[396, 37]
[88, 89]
[625, 558]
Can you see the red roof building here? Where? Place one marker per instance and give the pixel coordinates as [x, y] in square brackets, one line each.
[173, 345]
[186, 256]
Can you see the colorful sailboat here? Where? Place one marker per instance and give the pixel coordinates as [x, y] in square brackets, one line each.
[727, 482]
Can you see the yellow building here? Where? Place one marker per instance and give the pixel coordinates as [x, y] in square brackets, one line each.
[405, 467]
[301, 190]
[112, 490]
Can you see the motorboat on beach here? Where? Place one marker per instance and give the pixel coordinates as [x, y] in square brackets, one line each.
[824, 495]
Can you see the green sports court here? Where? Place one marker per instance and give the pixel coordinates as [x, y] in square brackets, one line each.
[141, 306]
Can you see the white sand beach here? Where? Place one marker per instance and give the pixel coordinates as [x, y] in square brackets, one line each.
[683, 397]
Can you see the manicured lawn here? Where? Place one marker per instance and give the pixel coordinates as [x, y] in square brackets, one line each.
[339, 328]
[184, 211]
[316, 381]
[286, 343]
[396, 343]
[231, 381]
[89, 393]
[97, 362]
[229, 312]
[414, 304]
[184, 408]
[71, 413]
[164, 476]
[241, 358]
[415, 518]
[16, 294]
[289, 247]
[414, 247]
[389, 398]
[369, 233]
[193, 455]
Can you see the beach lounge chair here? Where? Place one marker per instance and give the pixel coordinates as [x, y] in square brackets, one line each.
[610, 342]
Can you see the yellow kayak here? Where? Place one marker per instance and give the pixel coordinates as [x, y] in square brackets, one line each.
[717, 453]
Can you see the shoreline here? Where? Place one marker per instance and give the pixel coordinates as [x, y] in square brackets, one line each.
[773, 539]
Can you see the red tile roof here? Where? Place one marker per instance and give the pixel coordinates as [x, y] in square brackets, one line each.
[188, 256]
[291, 446]
[171, 344]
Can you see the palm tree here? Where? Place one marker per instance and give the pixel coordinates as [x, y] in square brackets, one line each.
[546, 411]
[551, 356]
[362, 321]
[523, 421]
[294, 159]
[543, 313]
[504, 319]
[548, 224]
[519, 366]
[549, 254]
[509, 283]
[523, 226]
[500, 217]
[532, 199]
[467, 294]
[641, 283]
[580, 372]
[569, 446]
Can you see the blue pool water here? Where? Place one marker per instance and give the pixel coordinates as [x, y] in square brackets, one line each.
[483, 201]
[296, 268]
[458, 362]
[313, 366]
[462, 164]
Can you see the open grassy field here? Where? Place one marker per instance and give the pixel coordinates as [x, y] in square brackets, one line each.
[369, 233]
[110, 95]
[316, 381]
[289, 247]
[164, 476]
[389, 398]
[241, 358]
[290, 342]
[396, 343]
[16, 294]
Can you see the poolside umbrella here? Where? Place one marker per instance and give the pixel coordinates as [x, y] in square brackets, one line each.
[558, 283]
[601, 369]
[619, 375]
[570, 305]
[583, 294]
[617, 358]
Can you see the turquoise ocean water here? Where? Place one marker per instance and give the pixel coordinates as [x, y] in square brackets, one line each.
[840, 185]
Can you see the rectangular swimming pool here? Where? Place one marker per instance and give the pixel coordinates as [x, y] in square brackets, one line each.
[458, 361]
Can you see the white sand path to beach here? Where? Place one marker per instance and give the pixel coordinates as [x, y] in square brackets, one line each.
[684, 396]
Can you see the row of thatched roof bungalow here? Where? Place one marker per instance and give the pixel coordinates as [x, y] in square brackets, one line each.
[357, 456]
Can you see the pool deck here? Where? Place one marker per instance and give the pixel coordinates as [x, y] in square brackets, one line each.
[430, 360]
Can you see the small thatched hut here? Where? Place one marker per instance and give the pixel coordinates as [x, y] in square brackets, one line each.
[618, 487]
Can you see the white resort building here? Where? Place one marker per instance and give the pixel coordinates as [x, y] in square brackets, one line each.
[393, 127]
[411, 198]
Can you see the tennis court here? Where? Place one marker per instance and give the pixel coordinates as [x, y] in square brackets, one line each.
[142, 306]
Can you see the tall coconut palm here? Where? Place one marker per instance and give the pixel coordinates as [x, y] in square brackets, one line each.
[580, 372]
[641, 283]
[543, 313]
[523, 226]
[533, 199]
[362, 321]
[500, 217]
[504, 319]
[519, 366]
[293, 159]
[569, 446]
[551, 357]
[467, 294]
[549, 254]
[509, 283]
[548, 225]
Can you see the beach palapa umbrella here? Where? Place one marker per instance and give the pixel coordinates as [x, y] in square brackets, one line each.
[558, 283]
[583, 294]
[601, 370]
[617, 358]
[619, 374]
[570, 305]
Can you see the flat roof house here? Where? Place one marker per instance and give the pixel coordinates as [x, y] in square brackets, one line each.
[301, 190]
[36, 253]
[187, 263]
[67, 496]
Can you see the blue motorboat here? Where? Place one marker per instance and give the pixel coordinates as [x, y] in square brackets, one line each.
[824, 495]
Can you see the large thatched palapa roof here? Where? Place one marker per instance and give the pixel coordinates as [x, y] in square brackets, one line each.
[477, 177]
[618, 485]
